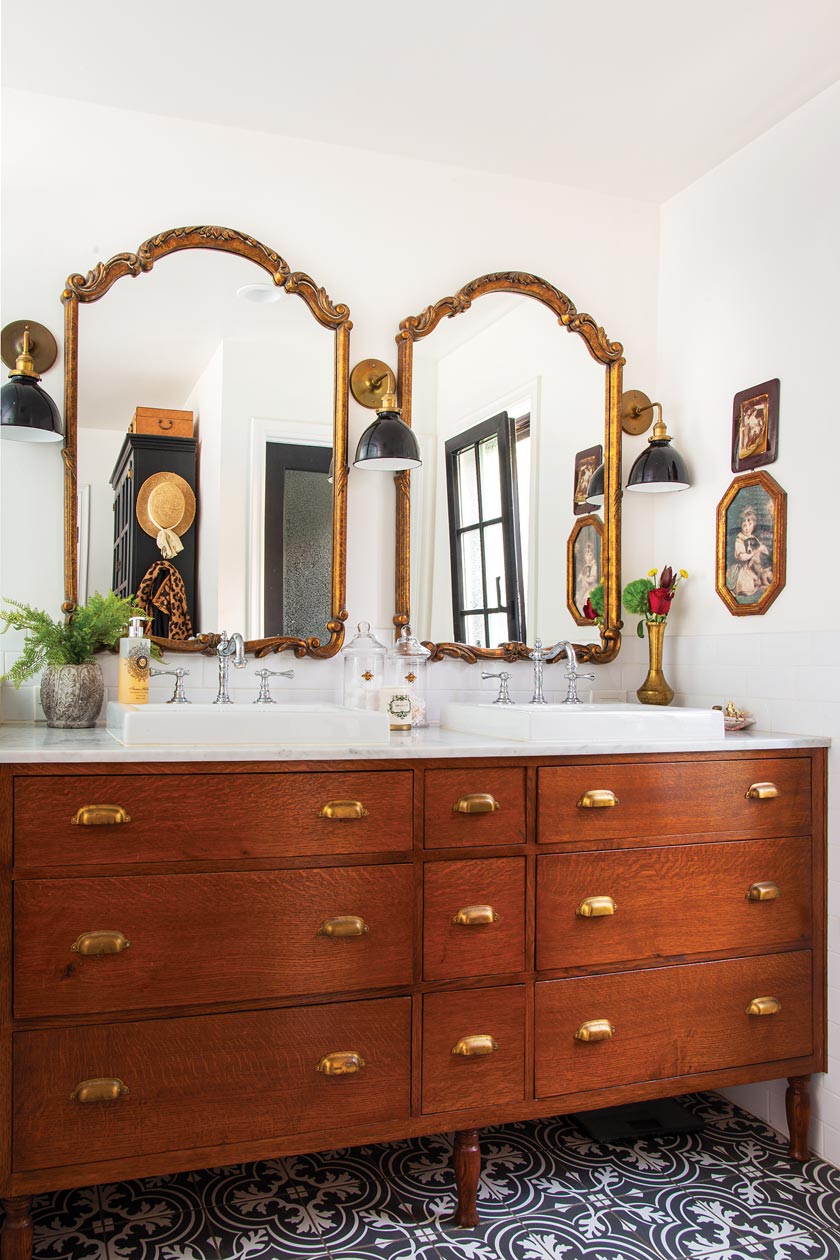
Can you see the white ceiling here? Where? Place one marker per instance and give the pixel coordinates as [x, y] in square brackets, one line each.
[638, 98]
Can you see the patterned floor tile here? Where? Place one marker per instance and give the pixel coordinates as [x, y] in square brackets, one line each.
[160, 1218]
[68, 1226]
[547, 1192]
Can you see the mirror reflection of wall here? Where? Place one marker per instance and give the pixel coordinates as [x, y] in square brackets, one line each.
[256, 376]
[503, 400]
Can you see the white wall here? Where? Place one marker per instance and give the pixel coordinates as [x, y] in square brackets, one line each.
[749, 277]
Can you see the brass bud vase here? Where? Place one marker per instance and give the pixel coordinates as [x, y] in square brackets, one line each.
[655, 688]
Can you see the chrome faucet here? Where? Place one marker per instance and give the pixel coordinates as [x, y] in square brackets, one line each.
[233, 646]
[540, 655]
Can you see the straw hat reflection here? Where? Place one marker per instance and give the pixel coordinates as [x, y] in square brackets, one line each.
[165, 502]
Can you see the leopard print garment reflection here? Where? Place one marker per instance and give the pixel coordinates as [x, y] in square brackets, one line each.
[163, 597]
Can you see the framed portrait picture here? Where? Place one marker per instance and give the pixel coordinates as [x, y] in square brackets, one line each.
[585, 464]
[751, 544]
[583, 565]
[755, 426]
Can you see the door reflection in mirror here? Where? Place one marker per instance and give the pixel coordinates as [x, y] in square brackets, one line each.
[298, 539]
[485, 531]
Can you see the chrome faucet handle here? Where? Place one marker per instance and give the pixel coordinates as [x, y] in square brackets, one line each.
[179, 675]
[573, 675]
[504, 678]
[265, 696]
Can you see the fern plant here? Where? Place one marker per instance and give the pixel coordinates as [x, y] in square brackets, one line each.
[94, 627]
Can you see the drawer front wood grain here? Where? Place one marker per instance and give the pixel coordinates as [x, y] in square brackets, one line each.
[675, 899]
[454, 1082]
[209, 938]
[670, 1022]
[207, 1080]
[673, 798]
[450, 793]
[473, 918]
[210, 816]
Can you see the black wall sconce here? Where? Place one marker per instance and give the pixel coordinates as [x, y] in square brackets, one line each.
[387, 445]
[658, 469]
[28, 412]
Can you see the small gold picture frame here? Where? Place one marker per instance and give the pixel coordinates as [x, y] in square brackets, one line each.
[751, 544]
[583, 565]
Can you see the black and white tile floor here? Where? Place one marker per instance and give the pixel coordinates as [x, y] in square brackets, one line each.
[547, 1192]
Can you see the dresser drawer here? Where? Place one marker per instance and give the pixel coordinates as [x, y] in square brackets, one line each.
[488, 1068]
[259, 934]
[673, 798]
[473, 918]
[474, 806]
[670, 1022]
[632, 904]
[207, 1080]
[185, 816]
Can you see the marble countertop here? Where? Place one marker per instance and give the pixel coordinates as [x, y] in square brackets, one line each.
[24, 742]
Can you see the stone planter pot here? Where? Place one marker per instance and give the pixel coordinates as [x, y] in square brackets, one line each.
[72, 695]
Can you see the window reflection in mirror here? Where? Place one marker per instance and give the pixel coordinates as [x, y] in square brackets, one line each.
[256, 376]
[503, 400]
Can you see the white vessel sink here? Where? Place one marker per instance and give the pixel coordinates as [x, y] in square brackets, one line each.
[290, 725]
[588, 723]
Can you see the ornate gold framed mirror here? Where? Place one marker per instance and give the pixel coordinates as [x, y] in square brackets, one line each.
[261, 379]
[500, 406]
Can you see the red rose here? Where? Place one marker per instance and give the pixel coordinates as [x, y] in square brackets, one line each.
[660, 601]
[589, 612]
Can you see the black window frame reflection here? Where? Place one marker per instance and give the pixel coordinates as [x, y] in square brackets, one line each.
[281, 458]
[503, 428]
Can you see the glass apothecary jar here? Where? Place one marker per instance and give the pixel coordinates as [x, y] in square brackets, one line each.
[404, 693]
[364, 669]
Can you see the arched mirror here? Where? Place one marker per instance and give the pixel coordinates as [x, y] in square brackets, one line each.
[228, 501]
[497, 543]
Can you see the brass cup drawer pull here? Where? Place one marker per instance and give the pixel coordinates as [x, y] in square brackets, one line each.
[343, 926]
[340, 1063]
[99, 1089]
[598, 798]
[92, 943]
[100, 816]
[343, 811]
[473, 1047]
[475, 916]
[764, 1006]
[596, 907]
[476, 803]
[762, 792]
[764, 890]
[595, 1030]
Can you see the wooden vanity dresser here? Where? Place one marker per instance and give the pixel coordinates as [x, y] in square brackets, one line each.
[214, 962]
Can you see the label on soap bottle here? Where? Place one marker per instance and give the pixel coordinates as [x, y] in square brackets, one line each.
[135, 666]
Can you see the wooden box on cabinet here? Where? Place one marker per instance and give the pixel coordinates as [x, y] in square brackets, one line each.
[227, 971]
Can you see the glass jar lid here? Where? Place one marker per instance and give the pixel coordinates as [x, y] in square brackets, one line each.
[407, 645]
[364, 643]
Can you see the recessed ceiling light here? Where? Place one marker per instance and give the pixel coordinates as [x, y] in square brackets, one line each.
[260, 293]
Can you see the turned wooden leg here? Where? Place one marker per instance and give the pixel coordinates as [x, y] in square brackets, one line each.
[16, 1238]
[798, 1107]
[467, 1160]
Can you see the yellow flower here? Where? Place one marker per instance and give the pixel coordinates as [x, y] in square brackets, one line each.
[652, 572]
[683, 573]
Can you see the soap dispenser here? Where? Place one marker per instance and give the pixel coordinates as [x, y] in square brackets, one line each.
[135, 664]
[404, 693]
[364, 669]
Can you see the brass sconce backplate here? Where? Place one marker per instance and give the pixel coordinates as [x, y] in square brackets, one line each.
[370, 381]
[42, 345]
[636, 412]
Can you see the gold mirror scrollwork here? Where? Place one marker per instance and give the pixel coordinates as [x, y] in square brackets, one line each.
[610, 354]
[332, 316]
